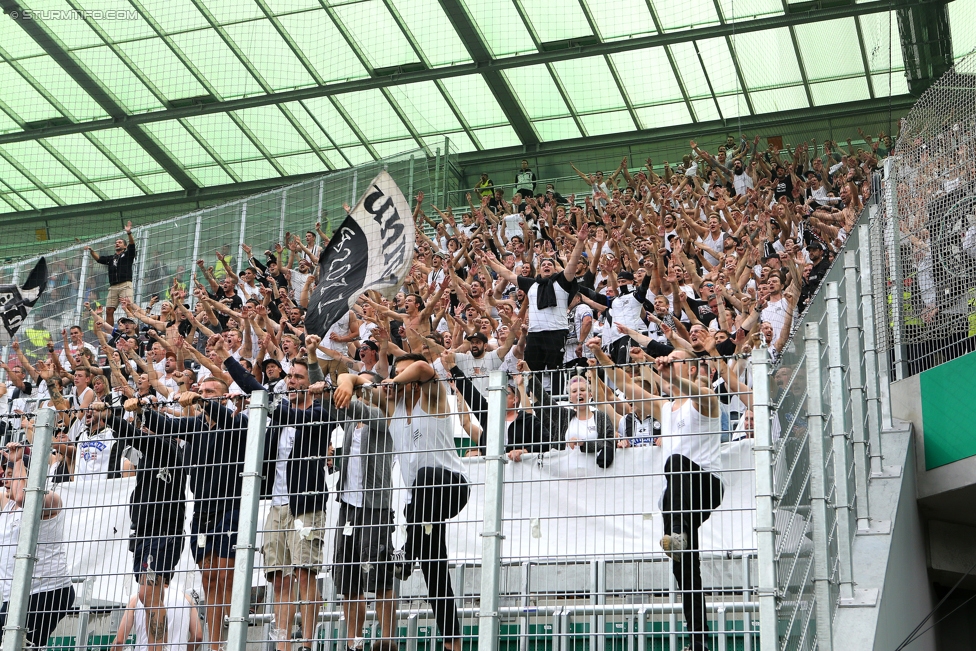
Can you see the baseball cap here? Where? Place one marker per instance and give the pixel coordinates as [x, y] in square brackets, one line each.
[625, 275]
[478, 335]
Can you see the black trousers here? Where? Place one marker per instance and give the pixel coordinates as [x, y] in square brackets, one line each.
[438, 495]
[689, 499]
[44, 611]
[544, 352]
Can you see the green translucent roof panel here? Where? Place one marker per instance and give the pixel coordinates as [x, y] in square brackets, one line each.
[12, 177]
[217, 63]
[172, 16]
[127, 150]
[886, 84]
[664, 115]
[38, 199]
[254, 170]
[785, 98]
[180, 143]
[113, 75]
[557, 129]
[839, 91]
[76, 193]
[394, 147]
[719, 65]
[732, 106]
[497, 137]
[535, 88]
[301, 163]
[647, 75]
[425, 108]
[52, 78]
[119, 20]
[270, 56]
[460, 142]
[598, 124]
[322, 109]
[15, 42]
[119, 188]
[749, 9]
[162, 182]
[844, 57]
[696, 83]
[273, 130]
[39, 162]
[501, 26]
[475, 101]
[85, 156]
[320, 42]
[880, 32]
[556, 20]
[225, 137]
[7, 123]
[705, 109]
[309, 124]
[357, 155]
[374, 116]
[761, 70]
[163, 68]
[616, 19]
[433, 31]
[376, 34]
[962, 18]
[682, 14]
[23, 100]
[205, 175]
[589, 84]
[279, 7]
[228, 11]
[72, 32]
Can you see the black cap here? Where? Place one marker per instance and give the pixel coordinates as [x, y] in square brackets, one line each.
[625, 275]
[268, 362]
[126, 319]
[478, 335]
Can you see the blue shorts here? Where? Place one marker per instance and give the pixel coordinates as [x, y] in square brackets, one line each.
[217, 532]
[156, 555]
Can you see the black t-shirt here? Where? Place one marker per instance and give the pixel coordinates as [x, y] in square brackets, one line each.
[783, 187]
[702, 311]
[119, 265]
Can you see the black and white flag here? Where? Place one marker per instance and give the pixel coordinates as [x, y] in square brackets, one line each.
[371, 250]
[16, 302]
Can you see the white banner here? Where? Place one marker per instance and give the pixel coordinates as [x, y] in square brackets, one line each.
[562, 508]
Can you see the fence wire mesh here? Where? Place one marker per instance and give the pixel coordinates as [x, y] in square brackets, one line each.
[926, 230]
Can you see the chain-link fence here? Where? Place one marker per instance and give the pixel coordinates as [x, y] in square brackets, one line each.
[925, 234]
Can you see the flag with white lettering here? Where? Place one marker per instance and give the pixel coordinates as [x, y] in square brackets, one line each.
[16, 302]
[371, 250]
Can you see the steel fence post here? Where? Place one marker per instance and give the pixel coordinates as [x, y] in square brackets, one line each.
[818, 488]
[855, 364]
[765, 495]
[491, 542]
[838, 433]
[14, 632]
[240, 602]
[872, 369]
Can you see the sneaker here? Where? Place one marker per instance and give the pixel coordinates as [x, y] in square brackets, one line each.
[401, 568]
[674, 542]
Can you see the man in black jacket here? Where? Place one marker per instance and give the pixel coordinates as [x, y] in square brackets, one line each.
[119, 272]
[214, 457]
[296, 452]
[157, 510]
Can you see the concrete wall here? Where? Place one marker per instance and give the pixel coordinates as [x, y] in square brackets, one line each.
[907, 595]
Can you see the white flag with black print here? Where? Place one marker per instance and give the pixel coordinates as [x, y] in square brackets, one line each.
[16, 302]
[371, 250]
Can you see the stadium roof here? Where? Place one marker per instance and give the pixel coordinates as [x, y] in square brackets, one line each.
[105, 99]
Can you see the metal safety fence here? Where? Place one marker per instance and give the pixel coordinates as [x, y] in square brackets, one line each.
[818, 441]
[603, 506]
[924, 235]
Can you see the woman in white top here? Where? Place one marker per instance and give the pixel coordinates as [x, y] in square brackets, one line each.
[691, 446]
[423, 436]
[51, 593]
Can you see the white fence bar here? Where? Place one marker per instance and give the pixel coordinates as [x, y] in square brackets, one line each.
[838, 432]
[489, 622]
[818, 488]
[855, 359]
[872, 367]
[247, 530]
[765, 531]
[15, 630]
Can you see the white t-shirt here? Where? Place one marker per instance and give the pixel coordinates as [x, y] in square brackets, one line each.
[776, 312]
[94, 450]
[550, 318]
[477, 370]
[582, 430]
[352, 490]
